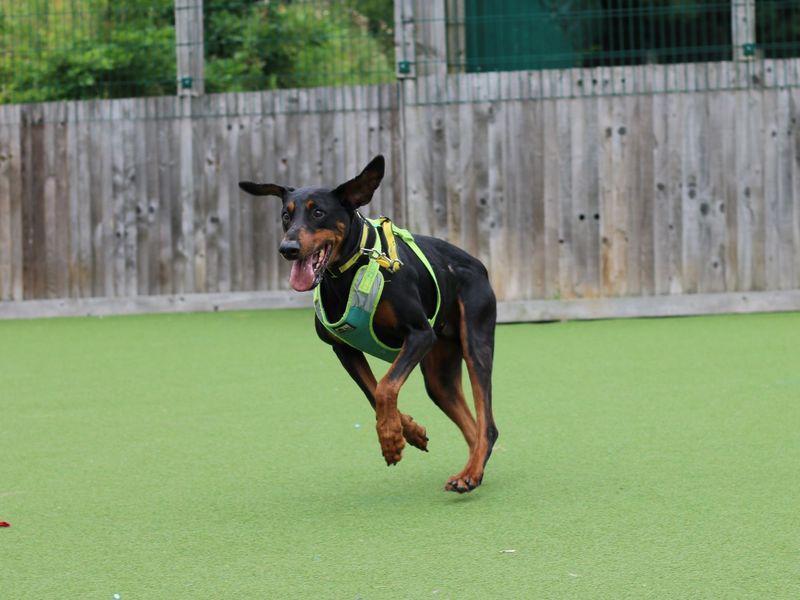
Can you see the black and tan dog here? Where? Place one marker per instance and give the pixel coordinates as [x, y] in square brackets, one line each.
[418, 300]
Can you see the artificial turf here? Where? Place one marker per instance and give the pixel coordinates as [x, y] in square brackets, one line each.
[228, 455]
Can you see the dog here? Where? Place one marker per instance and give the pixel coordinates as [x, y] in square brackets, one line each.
[408, 299]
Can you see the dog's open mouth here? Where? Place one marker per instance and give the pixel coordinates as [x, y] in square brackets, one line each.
[307, 272]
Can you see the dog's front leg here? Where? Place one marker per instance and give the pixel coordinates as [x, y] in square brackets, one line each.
[388, 421]
[357, 366]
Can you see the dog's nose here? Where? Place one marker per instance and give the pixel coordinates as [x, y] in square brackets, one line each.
[289, 249]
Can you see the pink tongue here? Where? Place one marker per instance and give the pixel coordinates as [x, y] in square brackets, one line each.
[302, 276]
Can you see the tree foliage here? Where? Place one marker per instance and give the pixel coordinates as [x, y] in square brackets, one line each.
[73, 49]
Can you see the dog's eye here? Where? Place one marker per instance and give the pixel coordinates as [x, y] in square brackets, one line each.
[318, 213]
[285, 217]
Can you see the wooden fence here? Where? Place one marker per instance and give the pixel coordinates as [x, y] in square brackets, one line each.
[643, 203]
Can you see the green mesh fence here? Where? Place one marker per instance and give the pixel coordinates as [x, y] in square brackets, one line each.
[502, 35]
[79, 49]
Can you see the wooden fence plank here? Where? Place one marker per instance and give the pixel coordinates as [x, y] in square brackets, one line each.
[6, 263]
[566, 241]
[785, 208]
[268, 211]
[551, 197]
[222, 233]
[241, 206]
[168, 151]
[795, 155]
[770, 140]
[531, 211]
[645, 194]
[14, 123]
[198, 225]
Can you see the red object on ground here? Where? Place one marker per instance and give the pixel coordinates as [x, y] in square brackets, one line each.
[5, 524]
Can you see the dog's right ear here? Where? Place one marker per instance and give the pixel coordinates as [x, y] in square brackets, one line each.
[264, 189]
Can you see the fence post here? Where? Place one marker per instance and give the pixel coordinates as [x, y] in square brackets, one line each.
[189, 47]
[743, 29]
[404, 39]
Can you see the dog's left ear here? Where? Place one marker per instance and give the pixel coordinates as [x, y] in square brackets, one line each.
[264, 189]
[358, 191]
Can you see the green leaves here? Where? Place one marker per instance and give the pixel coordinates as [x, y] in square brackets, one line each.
[120, 48]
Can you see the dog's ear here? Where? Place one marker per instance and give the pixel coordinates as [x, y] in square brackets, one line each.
[264, 189]
[358, 191]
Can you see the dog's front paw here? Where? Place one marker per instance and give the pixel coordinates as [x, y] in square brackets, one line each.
[414, 433]
[390, 434]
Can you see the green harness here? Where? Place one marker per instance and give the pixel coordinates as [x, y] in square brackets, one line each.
[355, 326]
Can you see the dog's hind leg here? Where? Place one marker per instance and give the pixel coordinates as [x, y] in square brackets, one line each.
[477, 323]
[441, 369]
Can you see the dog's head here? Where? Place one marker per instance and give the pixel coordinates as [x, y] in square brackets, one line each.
[316, 221]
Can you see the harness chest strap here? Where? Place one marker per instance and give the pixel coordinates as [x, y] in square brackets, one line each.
[355, 327]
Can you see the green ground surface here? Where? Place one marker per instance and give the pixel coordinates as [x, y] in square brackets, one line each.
[228, 456]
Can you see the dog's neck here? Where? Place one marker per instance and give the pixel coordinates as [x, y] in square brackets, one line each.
[335, 284]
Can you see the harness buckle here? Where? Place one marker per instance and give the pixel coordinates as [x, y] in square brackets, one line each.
[393, 264]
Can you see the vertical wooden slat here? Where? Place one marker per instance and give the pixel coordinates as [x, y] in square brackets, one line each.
[283, 175]
[146, 178]
[720, 158]
[566, 242]
[454, 184]
[786, 130]
[6, 225]
[62, 232]
[14, 124]
[794, 107]
[119, 185]
[749, 189]
[381, 143]
[551, 198]
[644, 194]
[211, 190]
[674, 188]
[47, 171]
[499, 265]
[149, 231]
[256, 206]
[197, 222]
[220, 241]
[129, 231]
[694, 189]
[585, 196]
[612, 214]
[241, 207]
[482, 112]
[531, 244]
[785, 209]
[268, 211]
[467, 172]
[33, 197]
[770, 141]
[168, 153]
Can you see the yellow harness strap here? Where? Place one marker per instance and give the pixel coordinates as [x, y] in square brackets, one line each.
[358, 254]
[393, 264]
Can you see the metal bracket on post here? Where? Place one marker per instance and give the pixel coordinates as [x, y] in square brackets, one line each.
[189, 47]
[404, 39]
[743, 29]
